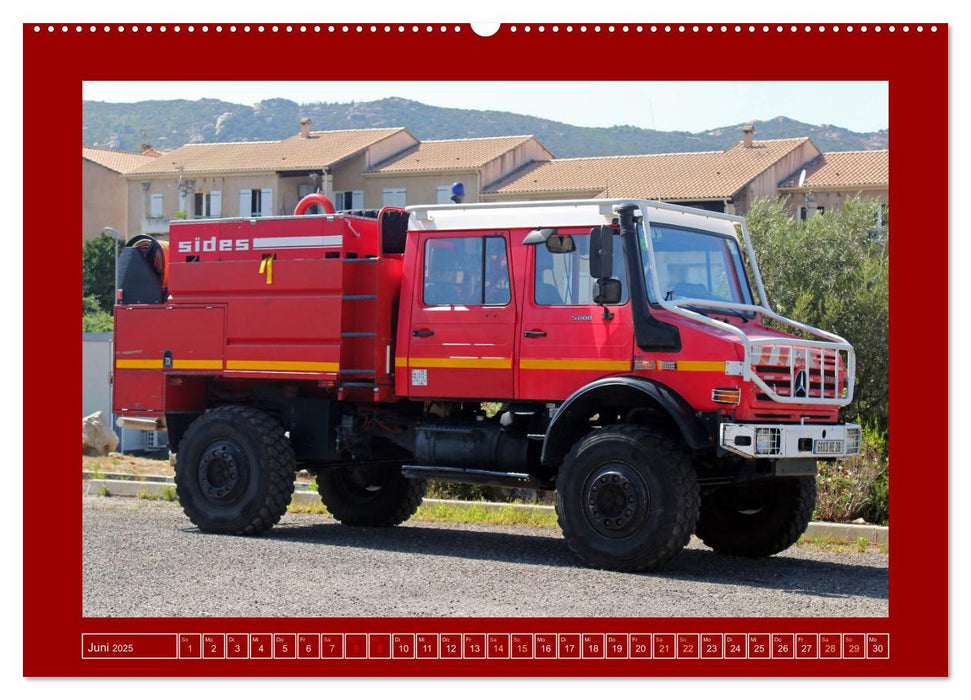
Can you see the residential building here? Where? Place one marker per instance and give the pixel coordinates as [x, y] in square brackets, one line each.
[425, 173]
[726, 181]
[824, 183]
[250, 179]
[105, 200]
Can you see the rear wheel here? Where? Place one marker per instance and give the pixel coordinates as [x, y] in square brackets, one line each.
[234, 472]
[758, 520]
[627, 498]
[377, 495]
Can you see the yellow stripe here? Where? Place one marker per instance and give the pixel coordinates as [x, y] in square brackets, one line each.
[401, 362]
[459, 362]
[266, 366]
[701, 366]
[197, 364]
[616, 365]
[176, 364]
[138, 364]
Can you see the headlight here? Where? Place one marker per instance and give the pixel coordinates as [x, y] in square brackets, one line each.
[768, 441]
[852, 441]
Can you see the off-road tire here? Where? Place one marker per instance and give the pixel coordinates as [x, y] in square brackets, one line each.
[235, 471]
[627, 498]
[758, 520]
[372, 496]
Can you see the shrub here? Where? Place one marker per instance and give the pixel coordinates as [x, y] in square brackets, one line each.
[93, 318]
[98, 271]
[857, 487]
[832, 271]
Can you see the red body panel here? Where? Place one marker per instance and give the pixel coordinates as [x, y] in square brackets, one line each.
[289, 299]
[311, 299]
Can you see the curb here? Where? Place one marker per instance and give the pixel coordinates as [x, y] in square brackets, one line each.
[152, 486]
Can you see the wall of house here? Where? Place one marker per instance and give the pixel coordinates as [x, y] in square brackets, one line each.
[349, 175]
[140, 196]
[831, 200]
[104, 200]
[382, 150]
[421, 188]
[766, 184]
[512, 160]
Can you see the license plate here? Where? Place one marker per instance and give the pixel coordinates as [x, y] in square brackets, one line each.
[828, 447]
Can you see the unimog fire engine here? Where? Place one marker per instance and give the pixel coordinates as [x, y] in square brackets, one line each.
[638, 372]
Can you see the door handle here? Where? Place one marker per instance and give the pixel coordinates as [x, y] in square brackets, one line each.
[422, 333]
[534, 334]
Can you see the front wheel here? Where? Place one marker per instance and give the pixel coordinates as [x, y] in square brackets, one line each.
[235, 470]
[757, 520]
[375, 495]
[627, 498]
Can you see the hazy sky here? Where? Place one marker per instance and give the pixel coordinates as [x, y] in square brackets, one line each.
[666, 106]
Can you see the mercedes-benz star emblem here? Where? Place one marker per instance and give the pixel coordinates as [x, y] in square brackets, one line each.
[802, 382]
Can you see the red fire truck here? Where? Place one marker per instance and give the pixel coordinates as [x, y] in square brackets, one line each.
[639, 370]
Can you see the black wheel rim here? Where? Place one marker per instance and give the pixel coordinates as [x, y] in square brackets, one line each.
[361, 485]
[616, 500]
[223, 472]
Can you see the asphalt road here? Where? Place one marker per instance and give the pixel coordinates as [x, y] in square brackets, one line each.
[145, 559]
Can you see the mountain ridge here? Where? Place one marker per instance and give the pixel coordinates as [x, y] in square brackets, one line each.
[168, 124]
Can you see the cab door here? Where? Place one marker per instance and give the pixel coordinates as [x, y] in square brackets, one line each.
[564, 339]
[463, 318]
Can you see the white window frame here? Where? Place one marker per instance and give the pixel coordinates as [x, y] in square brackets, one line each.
[156, 206]
[349, 199]
[211, 205]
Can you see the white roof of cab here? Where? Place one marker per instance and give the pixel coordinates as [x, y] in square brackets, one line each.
[588, 212]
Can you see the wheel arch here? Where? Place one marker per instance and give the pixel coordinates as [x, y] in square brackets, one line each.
[571, 420]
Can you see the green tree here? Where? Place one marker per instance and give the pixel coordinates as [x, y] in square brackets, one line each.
[832, 271]
[94, 319]
[98, 271]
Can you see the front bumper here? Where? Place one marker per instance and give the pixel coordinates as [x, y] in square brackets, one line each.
[788, 440]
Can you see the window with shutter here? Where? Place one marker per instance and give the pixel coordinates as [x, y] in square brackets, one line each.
[394, 197]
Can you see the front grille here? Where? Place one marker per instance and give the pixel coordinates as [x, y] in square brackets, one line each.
[791, 371]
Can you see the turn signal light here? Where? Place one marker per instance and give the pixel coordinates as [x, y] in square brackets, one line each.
[728, 396]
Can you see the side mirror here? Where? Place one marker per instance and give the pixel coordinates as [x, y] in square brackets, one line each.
[607, 291]
[601, 252]
[560, 243]
[555, 241]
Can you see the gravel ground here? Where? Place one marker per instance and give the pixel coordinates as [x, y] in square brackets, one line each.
[145, 559]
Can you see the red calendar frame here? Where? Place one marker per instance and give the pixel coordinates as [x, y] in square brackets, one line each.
[911, 641]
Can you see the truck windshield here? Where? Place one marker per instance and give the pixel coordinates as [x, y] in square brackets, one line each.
[693, 264]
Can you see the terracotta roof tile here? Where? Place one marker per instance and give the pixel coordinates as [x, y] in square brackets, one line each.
[295, 153]
[452, 154]
[119, 161]
[844, 169]
[670, 176]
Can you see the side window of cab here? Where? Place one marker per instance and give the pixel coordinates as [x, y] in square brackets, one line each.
[466, 272]
[563, 279]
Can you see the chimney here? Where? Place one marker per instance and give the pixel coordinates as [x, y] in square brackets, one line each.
[305, 128]
[748, 131]
[145, 147]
